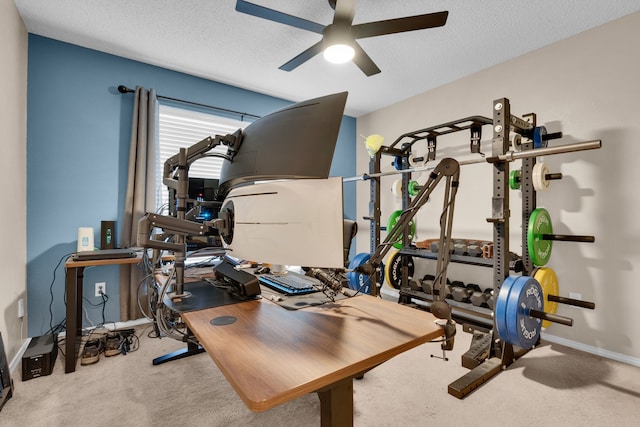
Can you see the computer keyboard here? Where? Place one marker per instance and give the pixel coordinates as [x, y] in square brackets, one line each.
[289, 283]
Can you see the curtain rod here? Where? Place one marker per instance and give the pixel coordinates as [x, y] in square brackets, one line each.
[123, 89]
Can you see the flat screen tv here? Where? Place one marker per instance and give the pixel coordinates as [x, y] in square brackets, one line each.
[297, 141]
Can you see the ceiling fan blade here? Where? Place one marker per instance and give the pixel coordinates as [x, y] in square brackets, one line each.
[363, 61]
[280, 17]
[344, 10]
[303, 57]
[400, 25]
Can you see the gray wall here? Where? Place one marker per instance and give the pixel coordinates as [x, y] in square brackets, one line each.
[13, 221]
[587, 87]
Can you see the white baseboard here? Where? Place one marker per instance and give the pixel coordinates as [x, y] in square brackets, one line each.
[18, 357]
[111, 326]
[634, 361]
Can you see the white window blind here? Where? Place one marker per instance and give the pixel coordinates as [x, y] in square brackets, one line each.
[179, 127]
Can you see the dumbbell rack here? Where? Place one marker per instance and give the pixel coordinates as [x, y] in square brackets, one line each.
[488, 354]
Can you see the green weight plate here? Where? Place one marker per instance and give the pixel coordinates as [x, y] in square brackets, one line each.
[539, 224]
[393, 219]
[514, 179]
[522, 329]
[413, 188]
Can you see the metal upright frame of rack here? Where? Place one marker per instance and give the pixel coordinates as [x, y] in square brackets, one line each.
[489, 354]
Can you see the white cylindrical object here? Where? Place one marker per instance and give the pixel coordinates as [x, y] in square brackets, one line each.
[85, 239]
[396, 188]
[539, 177]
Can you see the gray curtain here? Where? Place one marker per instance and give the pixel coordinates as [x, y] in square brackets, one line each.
[140, 197]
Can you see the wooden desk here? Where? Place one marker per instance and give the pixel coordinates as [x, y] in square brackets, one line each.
[74, 275]
[271, 355]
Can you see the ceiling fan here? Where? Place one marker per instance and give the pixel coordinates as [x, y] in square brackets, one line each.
[341, 34]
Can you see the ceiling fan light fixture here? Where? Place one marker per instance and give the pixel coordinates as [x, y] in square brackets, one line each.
[339, 53]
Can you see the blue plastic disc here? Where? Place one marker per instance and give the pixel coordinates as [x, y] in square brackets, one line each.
[539, 133]
[500, 313]
[359, 281]
[397, 163]
[517, 296]
[525, 294]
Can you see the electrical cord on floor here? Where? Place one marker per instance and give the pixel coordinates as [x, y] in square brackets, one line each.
[64, 258]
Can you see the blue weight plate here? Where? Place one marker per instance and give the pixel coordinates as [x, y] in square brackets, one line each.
[539, 133]
[358, 280]
[500, 312]
[522, 329]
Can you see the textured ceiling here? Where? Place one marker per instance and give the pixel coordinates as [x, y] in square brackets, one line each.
[209, 39]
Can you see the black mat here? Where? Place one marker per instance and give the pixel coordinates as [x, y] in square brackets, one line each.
[202, 295]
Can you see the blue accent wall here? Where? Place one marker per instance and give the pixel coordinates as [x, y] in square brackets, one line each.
[78, 131]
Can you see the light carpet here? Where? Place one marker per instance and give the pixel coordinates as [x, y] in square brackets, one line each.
[551, 385]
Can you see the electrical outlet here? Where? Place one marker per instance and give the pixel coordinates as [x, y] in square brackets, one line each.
[101, 288]
[21, 308]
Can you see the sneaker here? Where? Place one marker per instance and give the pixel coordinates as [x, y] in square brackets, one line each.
[91, 352]
[113, 344]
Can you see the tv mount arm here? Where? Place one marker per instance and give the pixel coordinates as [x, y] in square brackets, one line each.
[450, 169]
[176, 176]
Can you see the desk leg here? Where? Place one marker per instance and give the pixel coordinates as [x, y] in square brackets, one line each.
[336, 404]
[71, 278]
[190, 350]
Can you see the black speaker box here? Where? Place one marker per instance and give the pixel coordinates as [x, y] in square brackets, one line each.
[40, 356]
[108, 235]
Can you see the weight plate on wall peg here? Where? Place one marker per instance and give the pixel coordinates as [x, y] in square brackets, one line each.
[393, 269]
[549, 284]
[539, 224]
[500, 311]
[413, 188]
[393, 219]
[359, 281]
[539, 177]
[514, 179]
[519, 295]
[396, 188]
[539, 134]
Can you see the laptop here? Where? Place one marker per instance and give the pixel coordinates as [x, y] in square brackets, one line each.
[103, 254]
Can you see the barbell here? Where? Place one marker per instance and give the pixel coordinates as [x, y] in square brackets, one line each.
[510, 156]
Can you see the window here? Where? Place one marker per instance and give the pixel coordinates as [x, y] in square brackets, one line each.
[179, 127]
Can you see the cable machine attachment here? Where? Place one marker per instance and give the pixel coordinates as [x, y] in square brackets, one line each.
[449, 169]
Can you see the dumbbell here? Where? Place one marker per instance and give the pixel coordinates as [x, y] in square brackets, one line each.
[474, 250]
[460, 247]
[447, 289]
[491, 301]
[459, 292]
[427, 283]
[480, 298]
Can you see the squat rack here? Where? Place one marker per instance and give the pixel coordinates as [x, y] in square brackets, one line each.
[498, 353]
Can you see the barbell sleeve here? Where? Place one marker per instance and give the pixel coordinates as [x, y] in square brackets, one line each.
[568, 238]
[551, 176]
[567, 321]
[571, 301]
[569, 148]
